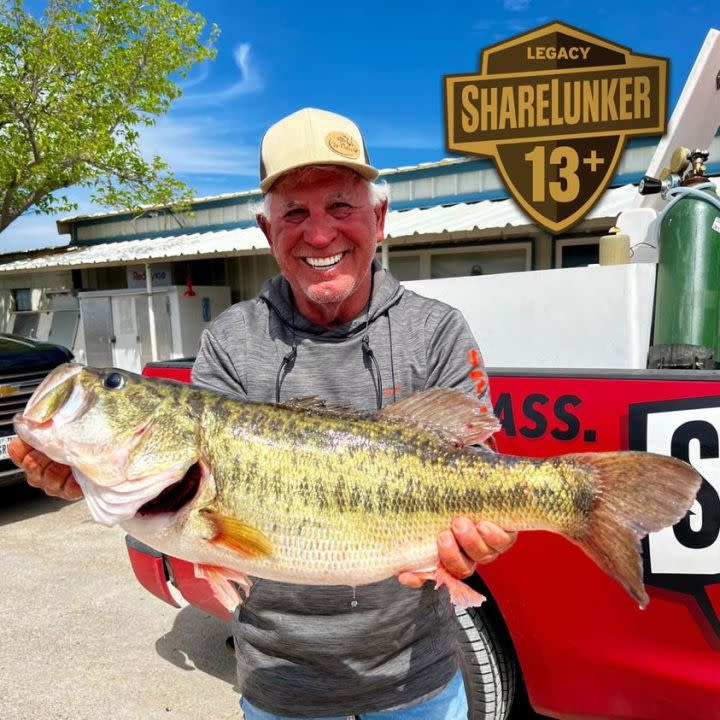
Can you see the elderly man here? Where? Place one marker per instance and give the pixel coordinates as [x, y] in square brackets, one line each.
[336, 325]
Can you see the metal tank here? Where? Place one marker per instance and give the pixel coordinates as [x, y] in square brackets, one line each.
[687, 297]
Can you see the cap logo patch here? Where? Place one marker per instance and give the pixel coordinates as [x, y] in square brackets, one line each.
[343, 144]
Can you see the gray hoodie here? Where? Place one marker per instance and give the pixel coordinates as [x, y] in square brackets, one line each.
[314, 651]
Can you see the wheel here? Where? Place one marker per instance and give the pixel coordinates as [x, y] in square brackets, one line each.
[488, 663]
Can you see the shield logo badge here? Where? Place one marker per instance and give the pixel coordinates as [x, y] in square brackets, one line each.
[553, 107]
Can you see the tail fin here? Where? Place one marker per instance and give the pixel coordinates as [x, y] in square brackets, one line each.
[639, 493]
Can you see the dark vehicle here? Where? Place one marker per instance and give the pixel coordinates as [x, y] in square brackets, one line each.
[24, 363]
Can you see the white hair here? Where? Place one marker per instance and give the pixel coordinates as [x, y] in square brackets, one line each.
[379, 192]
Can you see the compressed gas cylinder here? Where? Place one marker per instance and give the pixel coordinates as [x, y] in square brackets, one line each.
[687, 300]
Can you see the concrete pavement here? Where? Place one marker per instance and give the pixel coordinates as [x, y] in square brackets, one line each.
[80, 639]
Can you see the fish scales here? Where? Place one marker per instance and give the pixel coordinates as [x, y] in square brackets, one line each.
[309, 494]
[346, 492]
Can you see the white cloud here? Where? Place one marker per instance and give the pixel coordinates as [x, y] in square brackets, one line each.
[250, 81]
[30, 232]
[199, 148]
[197, 79]
[499, 30]
[198, 144]
[516, 5]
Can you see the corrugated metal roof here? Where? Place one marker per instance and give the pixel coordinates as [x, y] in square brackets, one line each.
[489, 214]
[171, 247]
[63, 224]
[460, 217]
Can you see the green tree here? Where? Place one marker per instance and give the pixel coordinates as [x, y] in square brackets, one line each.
[76, 84]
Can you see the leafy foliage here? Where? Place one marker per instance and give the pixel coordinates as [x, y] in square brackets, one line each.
[75, 86]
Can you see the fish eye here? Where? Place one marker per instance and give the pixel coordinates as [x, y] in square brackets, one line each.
[114, 381]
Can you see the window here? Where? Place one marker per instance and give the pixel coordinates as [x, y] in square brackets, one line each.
[26, 324]
[577, 252]
[405, 267]
[488, 260]
[23, 299]
[481, 259]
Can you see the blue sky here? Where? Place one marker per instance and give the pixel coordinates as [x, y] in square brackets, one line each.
[379, 63]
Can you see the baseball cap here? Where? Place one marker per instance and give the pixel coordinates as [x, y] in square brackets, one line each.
[312, 137]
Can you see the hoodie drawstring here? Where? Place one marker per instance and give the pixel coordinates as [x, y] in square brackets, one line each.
[287, 362]
[289, 358]
[368, 354]
[392, 362]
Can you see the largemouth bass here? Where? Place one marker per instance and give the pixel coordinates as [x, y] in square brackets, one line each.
[324, 495]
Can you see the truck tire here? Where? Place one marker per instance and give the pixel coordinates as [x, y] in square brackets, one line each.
[488, 664]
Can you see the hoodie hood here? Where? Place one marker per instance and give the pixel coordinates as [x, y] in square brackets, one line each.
[386, 292]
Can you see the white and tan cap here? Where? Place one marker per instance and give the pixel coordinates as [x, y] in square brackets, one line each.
[312, 137]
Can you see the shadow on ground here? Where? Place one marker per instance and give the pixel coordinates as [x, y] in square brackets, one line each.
[197, 642]
[522, 710]
[19, 502]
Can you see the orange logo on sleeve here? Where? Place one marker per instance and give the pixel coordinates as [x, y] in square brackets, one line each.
[477, 374]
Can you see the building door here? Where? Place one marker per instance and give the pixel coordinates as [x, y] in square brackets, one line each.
[96, 314]
[163, 330]
[126, 349]
[63, 327]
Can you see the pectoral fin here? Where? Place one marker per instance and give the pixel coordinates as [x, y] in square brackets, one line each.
[238, 536]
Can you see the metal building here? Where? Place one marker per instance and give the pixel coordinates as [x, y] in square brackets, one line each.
[450, 218]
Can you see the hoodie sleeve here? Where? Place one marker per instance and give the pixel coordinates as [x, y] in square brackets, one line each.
[453, 357]
[219, 360]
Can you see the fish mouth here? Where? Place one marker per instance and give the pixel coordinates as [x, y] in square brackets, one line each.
[54, 379]
[40, 424]
[174, 497]
[57, 400]
[23, 424]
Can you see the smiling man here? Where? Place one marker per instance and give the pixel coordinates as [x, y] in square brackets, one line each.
[334, 324]
[325, 224]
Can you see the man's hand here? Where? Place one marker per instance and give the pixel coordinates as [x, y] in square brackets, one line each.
[42, 472]
[463, 547]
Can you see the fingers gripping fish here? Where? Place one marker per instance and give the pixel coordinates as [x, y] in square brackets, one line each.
[323, 495]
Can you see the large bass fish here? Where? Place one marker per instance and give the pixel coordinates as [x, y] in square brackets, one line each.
[324, 495]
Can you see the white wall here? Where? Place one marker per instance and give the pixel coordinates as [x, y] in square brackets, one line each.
[589, 317]
[187, 320]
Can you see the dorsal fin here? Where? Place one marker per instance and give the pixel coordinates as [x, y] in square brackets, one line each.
[457, 417]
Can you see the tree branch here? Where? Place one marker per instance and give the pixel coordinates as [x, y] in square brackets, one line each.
[37, 157]
[5, 218]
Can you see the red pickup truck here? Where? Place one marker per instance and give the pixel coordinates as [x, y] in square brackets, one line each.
[557, 635]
